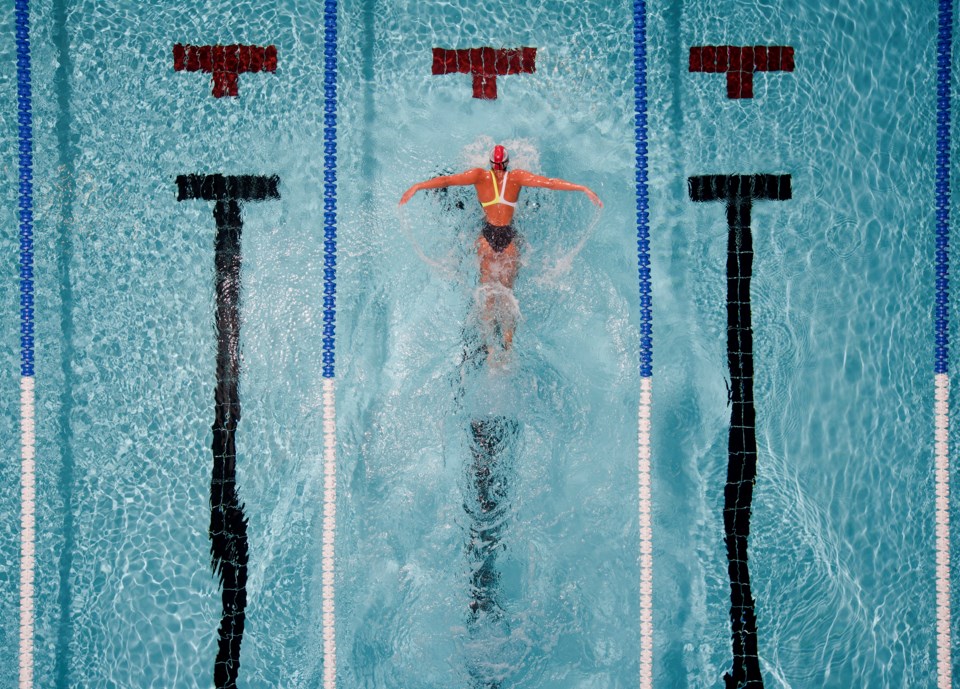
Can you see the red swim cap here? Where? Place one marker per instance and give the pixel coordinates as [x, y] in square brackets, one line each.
[499, 155]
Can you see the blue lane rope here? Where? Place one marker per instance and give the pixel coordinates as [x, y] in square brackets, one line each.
[25, 135]
[944, 41]
[643, 215]
[329, 184]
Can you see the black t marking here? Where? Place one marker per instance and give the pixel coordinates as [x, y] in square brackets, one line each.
[228, 525]
[739, 192]
[492, 442]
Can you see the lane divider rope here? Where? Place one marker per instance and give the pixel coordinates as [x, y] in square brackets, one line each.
[28, 443]
[328, 591]
[646, 345]
[941, 368]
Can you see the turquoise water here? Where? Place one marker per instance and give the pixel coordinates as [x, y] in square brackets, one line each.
[842, 533]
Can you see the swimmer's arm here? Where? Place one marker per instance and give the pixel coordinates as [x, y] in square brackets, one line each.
[463, 179]
[528, 179]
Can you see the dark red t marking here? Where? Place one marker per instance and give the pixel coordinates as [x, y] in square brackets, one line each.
[740, 62]
[485, 64]
[225, 62]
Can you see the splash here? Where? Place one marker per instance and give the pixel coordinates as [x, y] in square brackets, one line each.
[497, 307]
[553, 271]
[495, 314]
[523, 154]
[445, 267]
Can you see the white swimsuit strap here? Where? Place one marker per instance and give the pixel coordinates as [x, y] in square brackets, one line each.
[503, 190]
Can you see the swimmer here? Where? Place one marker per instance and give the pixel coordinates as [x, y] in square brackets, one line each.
[497, 192]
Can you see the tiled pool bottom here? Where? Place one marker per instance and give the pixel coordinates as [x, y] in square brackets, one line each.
[828, 313]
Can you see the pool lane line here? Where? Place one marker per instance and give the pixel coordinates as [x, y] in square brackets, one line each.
[28, 442]
[229, 546]
[328, 588]
[941, 352]
[739, 192]
[646, 344]
[492, 441]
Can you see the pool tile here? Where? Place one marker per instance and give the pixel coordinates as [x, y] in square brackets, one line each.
[485, 64]
[739, 63]
[225, 63]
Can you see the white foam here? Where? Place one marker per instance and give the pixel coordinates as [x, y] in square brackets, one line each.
[445, 267]
[554, 270]
[522, 152]
[496, 305]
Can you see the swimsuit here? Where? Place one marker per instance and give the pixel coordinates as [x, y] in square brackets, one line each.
[496, 192]
[498, 236]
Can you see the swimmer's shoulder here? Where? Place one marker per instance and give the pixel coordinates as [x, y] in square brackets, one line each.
[476, 174]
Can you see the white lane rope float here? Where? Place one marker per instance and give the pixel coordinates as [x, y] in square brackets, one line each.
[942, 492]
[941, 352]
[646, 534]
[328, 561]
[646, 342]
[27, 529]
[328, 591]
[28, 441]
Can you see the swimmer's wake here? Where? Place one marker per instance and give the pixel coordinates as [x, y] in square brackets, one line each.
[446, 269]
[550, 274]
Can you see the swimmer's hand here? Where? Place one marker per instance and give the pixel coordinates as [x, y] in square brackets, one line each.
[408, 194]
[593, 197]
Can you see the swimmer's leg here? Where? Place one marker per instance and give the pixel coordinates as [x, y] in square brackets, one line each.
[497, 269]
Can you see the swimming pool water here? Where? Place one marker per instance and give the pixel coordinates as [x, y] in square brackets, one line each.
[842, 535]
